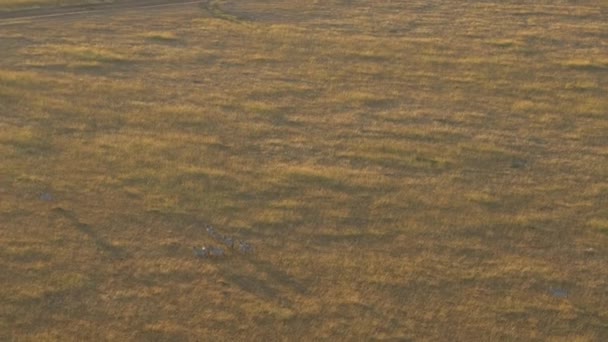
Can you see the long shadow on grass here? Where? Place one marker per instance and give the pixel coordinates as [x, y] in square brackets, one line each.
[246, 271]
[89, 232]
[265, 281]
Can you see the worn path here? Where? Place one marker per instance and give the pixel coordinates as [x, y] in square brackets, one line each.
[21, 16]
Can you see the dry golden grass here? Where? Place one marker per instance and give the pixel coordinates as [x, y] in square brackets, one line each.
[407, 170]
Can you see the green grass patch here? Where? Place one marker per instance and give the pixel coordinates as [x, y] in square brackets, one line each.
[600, 224]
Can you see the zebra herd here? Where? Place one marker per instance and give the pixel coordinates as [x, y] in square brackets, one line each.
[217, 252]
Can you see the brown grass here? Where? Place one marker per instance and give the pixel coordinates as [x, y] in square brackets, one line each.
[407, 170]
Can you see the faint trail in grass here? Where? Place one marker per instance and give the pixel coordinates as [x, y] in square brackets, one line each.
[24, 16]
[215, 10]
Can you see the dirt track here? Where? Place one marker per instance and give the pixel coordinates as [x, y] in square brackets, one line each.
[18, 16]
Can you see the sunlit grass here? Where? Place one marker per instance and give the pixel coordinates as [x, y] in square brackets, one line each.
[161, 36]
[405, 170]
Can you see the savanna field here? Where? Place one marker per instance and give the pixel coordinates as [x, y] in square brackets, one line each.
[405, 171]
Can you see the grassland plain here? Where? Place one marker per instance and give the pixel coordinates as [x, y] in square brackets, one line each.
[407, 170]
[11, 5]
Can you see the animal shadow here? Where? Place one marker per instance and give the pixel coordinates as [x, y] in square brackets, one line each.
[87, 230]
